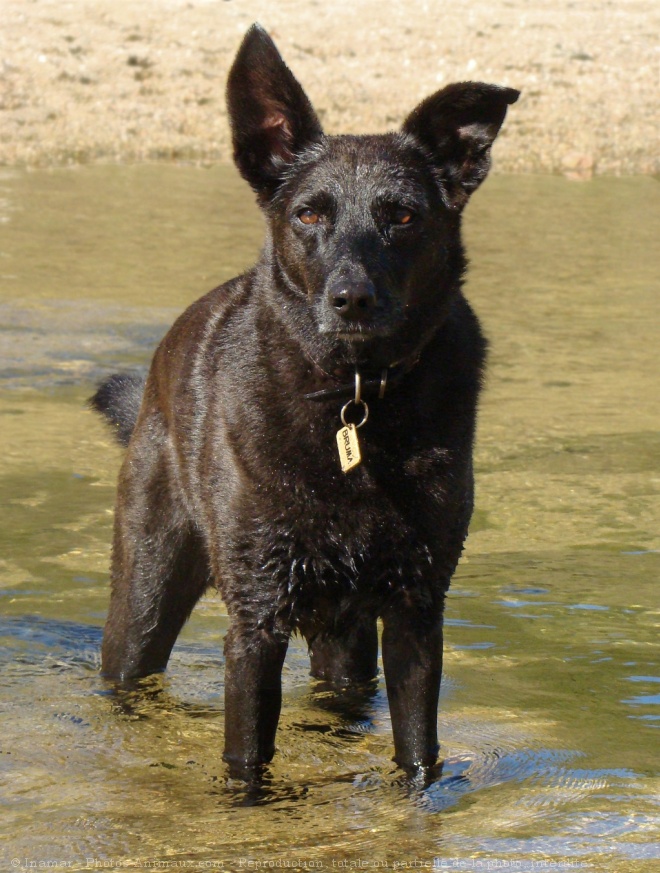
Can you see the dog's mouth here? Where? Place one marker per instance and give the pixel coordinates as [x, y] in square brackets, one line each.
[357, 312]
[359, 333]
[382, 325]
[369, 346]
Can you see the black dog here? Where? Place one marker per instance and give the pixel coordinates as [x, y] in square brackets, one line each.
[248, 467]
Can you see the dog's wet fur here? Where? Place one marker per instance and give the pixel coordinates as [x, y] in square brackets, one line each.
[232, 477]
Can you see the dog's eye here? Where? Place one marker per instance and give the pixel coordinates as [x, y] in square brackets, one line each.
[308, 216]
[402, 216]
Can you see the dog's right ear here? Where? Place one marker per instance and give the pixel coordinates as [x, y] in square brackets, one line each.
[271, 117]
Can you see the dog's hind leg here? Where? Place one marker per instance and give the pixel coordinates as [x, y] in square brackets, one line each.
[346, 655]
[160, 570]
[149, 604]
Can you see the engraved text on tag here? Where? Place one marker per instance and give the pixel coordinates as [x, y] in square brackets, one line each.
[349, 447]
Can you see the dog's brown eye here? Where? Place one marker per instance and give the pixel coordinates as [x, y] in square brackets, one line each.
[402, 216]
[308, 216]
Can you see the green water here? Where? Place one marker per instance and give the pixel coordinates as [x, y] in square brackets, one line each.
[550, 711]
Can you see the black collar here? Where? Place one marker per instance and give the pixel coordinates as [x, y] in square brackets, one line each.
[374, 386]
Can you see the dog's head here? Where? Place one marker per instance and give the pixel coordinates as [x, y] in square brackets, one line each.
[364, 230]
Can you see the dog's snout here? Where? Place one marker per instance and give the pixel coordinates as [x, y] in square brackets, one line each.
[354, 301]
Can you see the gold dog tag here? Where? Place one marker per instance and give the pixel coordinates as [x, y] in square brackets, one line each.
[349, 447]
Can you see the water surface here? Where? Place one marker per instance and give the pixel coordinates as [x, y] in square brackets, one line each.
[550, 707]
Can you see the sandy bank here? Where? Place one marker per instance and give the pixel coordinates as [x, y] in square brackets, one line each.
[115, 80]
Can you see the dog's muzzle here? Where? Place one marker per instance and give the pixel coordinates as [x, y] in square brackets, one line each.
[355, 311]
[352, 301]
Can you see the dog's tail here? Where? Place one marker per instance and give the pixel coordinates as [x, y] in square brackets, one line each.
[118, 400]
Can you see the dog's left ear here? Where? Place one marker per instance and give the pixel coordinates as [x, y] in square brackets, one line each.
[271, 117]
[458, 125]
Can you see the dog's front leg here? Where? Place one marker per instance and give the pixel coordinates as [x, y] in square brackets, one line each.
[412, 658]
[253, 697]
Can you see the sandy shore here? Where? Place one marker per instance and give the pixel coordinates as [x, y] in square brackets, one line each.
[143, 80]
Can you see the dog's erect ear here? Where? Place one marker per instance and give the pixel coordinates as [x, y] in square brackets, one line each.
[458, 125]
[271, 118]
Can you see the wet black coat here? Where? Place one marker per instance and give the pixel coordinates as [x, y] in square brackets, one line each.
[232, 476]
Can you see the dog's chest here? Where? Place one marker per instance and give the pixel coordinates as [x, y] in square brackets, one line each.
[336, 552]
[332, 535]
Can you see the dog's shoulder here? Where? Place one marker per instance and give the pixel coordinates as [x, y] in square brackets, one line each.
[200, 332]
[207, 315]
[456, 354]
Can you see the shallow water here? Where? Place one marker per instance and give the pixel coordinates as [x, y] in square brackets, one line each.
[550, 710]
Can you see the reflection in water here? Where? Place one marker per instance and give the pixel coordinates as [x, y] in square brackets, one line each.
[550, 706]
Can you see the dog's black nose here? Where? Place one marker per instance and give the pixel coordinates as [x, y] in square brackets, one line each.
[354, 301]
